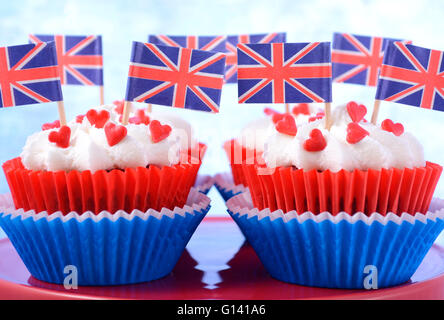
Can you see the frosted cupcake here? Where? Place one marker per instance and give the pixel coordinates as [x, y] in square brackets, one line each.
[354, 167]
[344, 208]
[96, 164]
[113, 201]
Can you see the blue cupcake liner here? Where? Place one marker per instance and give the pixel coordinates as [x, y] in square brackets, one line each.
[107, 249]
[333, 251]
[204, 183]
[226, 187]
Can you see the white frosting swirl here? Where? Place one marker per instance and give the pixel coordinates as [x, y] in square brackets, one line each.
[184, 132]
[380, 149]
[183, 129]
[89, 150]
[255, 133]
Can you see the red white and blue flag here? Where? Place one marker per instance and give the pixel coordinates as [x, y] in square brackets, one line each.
[207, 43]
[412, 75]
[177, 77]
[29, 74]
[80, 58]
[358, 59]
[284, 72]
[231, 50]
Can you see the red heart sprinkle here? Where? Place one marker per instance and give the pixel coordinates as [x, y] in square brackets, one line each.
[318, 116]
[270, 112]
[158, 131]
[137, 120]
[278, 117]
[119, 106]
[51, 125]
[287, 125]
[302, 108]
[133, 120]
[114, 133]
[145, 120]
[140, 113]
[79, 118]
[97, 119]
[396, 128]
[356, 111]
[60, 137]
[140, 118]
[355, 133]
[316, 142]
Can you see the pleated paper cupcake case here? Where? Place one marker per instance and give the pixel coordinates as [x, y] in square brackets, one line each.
[238, 155]
[204, 183]
[198, 152]
[332, 251]
[226, 187]
[81, 191]
[106, 249]
[385, 190]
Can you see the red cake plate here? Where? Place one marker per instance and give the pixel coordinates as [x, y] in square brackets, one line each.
[217, 264]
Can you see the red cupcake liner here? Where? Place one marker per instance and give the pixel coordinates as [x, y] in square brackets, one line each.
[80, 191]
[196, 153]
[383, 191]
[238, 155]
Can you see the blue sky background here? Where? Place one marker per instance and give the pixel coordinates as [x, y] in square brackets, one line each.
[121, 22]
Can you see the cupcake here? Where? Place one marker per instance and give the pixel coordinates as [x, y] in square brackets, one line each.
[96, 164]
[114, 201]
[348, 207]
[251, 141]
[355, 166]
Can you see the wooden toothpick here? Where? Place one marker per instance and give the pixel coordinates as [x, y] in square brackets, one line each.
[102, 96]
[62, 115]
[375, 111]
[126, 112]
[328, 115]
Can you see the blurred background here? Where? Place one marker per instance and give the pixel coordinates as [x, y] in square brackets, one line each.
[121, 22]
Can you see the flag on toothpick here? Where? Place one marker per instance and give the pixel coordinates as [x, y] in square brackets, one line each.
[284, 72]
[412, 75]
[80, 58]
[207, 43]
[29, 74]
[358, 59]
[174, 76]
[233, 41]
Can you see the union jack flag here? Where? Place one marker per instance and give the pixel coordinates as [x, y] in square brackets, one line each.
[233, 41]
[79, 57]
[284, 72]
[177, 77]
[29, 74]
[358, 59]
[412, 75]
[207, 43]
